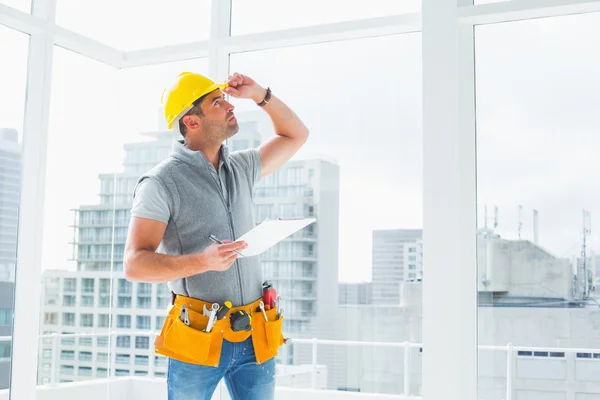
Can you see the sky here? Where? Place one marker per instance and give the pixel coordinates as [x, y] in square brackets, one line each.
[537, 122]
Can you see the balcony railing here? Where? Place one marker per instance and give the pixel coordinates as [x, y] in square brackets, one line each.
[510, 350]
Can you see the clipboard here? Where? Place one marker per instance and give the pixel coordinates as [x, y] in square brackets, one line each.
[270, 232]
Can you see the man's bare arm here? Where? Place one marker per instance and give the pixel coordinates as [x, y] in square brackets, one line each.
[142, 264]
[291, 134]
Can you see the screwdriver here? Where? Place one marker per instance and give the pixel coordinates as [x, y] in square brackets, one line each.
[224, 309]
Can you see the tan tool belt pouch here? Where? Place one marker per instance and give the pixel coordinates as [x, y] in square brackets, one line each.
[192, 345]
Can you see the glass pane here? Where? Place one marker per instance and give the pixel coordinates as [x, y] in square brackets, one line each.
[22, 5]
[86, 222]
[71, 264]
[537, 152]
[137, 24]
[364, 153]
[254, 16]
[13, 81]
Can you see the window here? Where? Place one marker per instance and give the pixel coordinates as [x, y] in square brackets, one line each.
[254, 16]
[124, 341]
[124, 321]
[141, 373]
[87, 301]
[151, 31]
[21, 5]
[294, 175]
[85, 341]
[102, 341]
[67, 355]
[159, 323]
[85, 371]
[68, 319]
[144, 302]
[144, 289]
[49, 319]
[142, 342]
[536, 265]
[103, 321]
[70, 285]
[70, 341]
[163, 302]
[163, 290]
[143, 322]
[101, 372]
[67, 370]
[141, 360]
[122, 358]
[346, 184]
[124, 302]
[160, 361]
[121, 372]
[264, 211]
[6, 316]
[87, 285]
[102, 357]
[87, 320]
[69, 301]
[85, 356]
[125, 287]
[5, 350]
[104, 302]
[104, 286]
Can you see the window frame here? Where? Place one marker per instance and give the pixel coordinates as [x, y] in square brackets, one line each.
[448, 119]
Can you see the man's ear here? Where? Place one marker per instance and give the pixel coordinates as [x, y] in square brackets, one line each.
[191, 121]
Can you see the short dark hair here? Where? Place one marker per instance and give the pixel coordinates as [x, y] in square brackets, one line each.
[195, 110]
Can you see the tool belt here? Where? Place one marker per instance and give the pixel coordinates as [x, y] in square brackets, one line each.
[193, 345]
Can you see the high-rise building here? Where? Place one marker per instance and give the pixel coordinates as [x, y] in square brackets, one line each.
[10, 188]
[85, 300]
[304, 267]
[355, 293]
[6, 317]
[396, 254]
[10, 191]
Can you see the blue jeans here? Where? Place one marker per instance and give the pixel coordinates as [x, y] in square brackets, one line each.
[244, 378]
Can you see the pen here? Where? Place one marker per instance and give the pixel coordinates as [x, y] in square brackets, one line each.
[214, 239]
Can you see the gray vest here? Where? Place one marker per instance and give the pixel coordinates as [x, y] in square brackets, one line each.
[203, 203]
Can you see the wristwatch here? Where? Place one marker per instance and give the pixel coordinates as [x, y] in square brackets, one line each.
[266, 100]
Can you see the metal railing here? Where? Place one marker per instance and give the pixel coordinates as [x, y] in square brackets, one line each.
[510, 350]
[404, 345]
[56, 336]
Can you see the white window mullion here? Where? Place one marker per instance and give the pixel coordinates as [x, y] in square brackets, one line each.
[449, 229]
[20, 21]
[31, 213]
[519, 10]
[218, 59]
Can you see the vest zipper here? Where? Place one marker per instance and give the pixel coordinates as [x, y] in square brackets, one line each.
[227, 205]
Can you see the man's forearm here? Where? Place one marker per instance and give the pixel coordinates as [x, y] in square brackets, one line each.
[150, 267]
[285, 121]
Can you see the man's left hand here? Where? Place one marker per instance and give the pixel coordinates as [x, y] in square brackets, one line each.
[244, 87]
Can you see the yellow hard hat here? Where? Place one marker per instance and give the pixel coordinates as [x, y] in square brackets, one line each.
[185, 89]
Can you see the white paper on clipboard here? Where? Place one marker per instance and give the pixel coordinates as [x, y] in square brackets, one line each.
[270, 232]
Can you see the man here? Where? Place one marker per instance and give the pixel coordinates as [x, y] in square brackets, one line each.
[199, 191]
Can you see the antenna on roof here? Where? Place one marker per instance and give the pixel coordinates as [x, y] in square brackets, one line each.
[520, 220]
